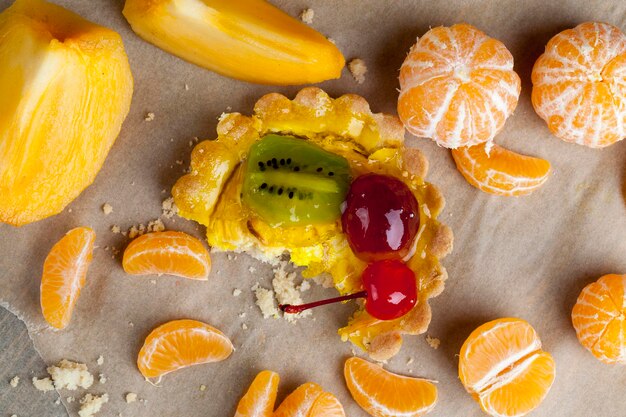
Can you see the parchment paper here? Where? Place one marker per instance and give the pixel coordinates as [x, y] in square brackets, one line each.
[527, 257]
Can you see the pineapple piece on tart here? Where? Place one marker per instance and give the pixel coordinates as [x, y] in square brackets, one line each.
[284, 181]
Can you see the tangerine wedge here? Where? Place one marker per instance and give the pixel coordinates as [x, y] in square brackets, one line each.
[599, 318]
[64, 273]
[179, 344]
[384, 394]
[501, 172]
[502, 365]
[172, 253]
[259, 400]
[310, 400]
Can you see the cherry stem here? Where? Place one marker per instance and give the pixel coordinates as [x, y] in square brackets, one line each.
[295, 309]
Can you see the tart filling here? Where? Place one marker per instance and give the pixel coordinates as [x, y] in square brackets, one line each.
[214, 195]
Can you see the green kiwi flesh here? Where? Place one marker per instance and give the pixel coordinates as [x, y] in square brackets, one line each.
[293, 182]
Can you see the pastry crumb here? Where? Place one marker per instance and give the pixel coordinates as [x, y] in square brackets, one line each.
[168, 208]
[186, 87]
[305, 286]
[70, 400]
[131, 397]
[286, 290]
[265, 301]
[156, 226]
[242, 314]
[252, 270]
[149, 117]
[244, 326]
[43, 384]
[70, 375]
[236, 292]
[91, 404]
[202, 387]
[100, 360]
[107, 209]
[358, 69]
[102, 379]
[57, 401]
[13, 415]
[14, 381]
[410, 361]
[115, 229]
[433, 342]
[307, 16]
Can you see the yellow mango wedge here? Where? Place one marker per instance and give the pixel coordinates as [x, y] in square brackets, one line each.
[65, 89]
[250, 40]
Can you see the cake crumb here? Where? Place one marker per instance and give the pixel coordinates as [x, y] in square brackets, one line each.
[307, 16]
[14, 381]
[70, 375]
[57, 401]
[168, 208]
[202, 387]
[242, 314]
[156, 226]
[236, 292]
[186, 87]
[102, 379]
[107, 209]
[410, 361]
[286, 290]
[153, 281]
[100, 360]
[244, 326]
[149, 117]
[433, 342]
[43, 384]
[91, 404]
[115, 229]
[131, 397]
[265, 301]
[304, 286]
[70, 400]
[252, 270]
[358, 69]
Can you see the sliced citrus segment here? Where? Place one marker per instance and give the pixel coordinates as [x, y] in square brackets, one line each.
[64, 272]
[502, 365]
[599, 318]
[300, 401]
[179, 344]
[501, 172]
[326, 405]
[259, 400]
[172, 253]
[384, 394]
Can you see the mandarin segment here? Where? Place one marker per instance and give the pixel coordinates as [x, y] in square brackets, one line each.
[504, 368]
[172, 253]
[326, 405]
[457, 86]
[259, 400]
[579, 85]
[300, 401]
[501, 172]
[64, 273]
[599, 318]
[179, 344]
[384, 394]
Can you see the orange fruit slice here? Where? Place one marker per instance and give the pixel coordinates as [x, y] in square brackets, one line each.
[502, 172]
[179, 344]
[259, 400]
[502, 365]
[579, 85]
[457, 86]
[384, 394]
[64, 272]
[310, 400]
[599, 318]
[172, 253]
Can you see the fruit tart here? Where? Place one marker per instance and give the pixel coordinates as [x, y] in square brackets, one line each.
[331, 184]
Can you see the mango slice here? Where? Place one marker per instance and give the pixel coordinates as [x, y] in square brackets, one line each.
[250, 40]
[65, 89]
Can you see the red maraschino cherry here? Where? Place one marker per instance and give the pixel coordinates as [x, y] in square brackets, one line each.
[390, 291]
[381, 217]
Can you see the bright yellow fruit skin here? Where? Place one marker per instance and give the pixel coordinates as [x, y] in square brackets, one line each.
[65, 89]
[250, 40]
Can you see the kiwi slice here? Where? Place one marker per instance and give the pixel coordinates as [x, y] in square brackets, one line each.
[290, 182]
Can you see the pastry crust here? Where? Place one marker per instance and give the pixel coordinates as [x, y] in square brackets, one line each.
[371, 142]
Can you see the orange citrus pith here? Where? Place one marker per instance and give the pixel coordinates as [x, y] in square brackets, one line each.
[599, 318]
[502, 172]
[579, 85]
[310, 400]
[457, 86]
[64, 272]
[179, 344]
[384, 394]
[502, 365]
[259, 400]
[172, 253]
